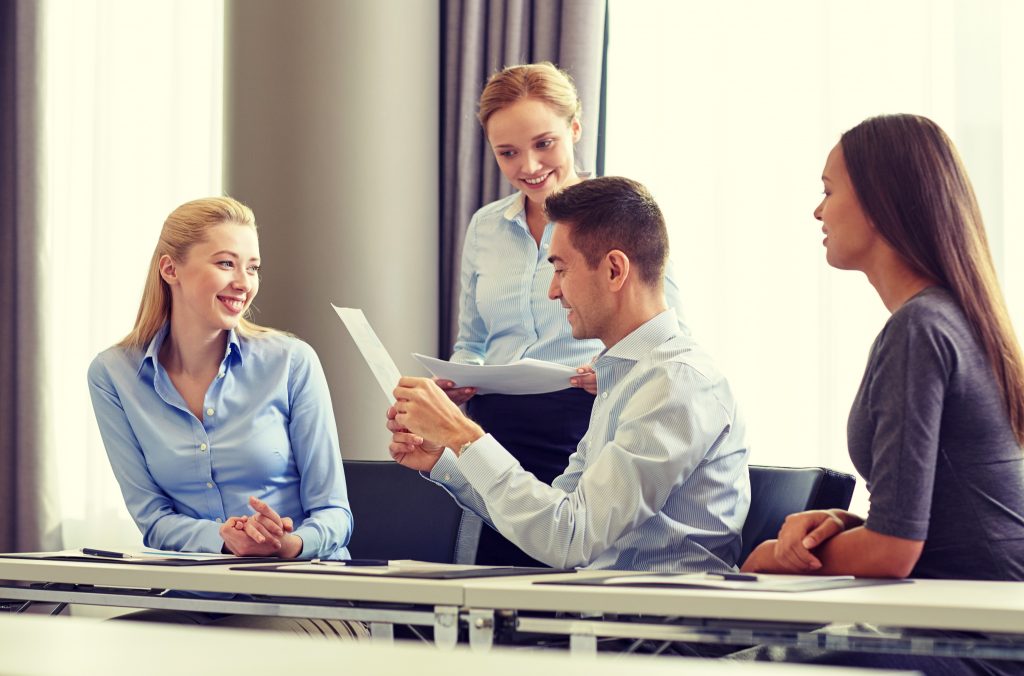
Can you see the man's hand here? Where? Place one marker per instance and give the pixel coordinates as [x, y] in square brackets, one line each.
[411, 450]
[425, 411]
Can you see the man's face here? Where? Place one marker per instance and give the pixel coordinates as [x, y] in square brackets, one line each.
[579, 289]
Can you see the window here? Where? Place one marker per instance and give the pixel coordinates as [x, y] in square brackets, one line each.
[132, 98]
[726, 111]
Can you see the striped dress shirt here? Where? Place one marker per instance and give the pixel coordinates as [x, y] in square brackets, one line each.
[659, 482]
[505, 314]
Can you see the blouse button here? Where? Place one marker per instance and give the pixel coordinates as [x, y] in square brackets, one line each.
[209, 411]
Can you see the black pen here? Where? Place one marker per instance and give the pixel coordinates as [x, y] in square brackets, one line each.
[105, 553]
[734, 577]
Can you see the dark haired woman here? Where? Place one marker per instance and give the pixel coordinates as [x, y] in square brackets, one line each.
[937, 427]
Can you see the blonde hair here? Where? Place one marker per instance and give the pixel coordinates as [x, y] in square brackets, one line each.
[543, 81]
[185, 227]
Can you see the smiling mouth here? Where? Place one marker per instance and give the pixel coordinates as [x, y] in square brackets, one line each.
[538, 180]
[233, 304]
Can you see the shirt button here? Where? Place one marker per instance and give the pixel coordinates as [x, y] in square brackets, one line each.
[604, 395]
[220, 375]
[447, 477]
[220, 520]
[209, 411]
[202, 447]
[209, 484]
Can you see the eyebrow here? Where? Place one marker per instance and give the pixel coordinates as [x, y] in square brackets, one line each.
[538, 136]
[227, 252]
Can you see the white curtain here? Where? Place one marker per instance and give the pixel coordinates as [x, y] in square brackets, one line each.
[727, 110]
[133, 122]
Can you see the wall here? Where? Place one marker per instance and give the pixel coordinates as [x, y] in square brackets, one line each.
[331, 135]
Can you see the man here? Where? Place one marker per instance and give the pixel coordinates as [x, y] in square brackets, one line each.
[659, 481]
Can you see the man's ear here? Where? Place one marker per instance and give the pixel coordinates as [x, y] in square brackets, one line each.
[168, 269]
[618, 268]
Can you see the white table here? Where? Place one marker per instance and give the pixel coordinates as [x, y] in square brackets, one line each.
[381, 602]
[41, 646]
[756, 617]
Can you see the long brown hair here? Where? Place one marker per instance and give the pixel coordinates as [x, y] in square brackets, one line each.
[912, 185]
[185, 227]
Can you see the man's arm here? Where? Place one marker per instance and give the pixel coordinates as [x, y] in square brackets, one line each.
[664, 431]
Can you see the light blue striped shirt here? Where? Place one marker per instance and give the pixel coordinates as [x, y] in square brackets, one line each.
[268, 431]
[504, 313]
[659, 481]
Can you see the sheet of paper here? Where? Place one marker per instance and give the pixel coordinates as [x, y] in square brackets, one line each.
[763, 581]
[527, 376]
[403, 565]
[373, 351]
[142, 554]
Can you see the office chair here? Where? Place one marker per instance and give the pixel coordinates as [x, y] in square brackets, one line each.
[777, 492]
[400, 515]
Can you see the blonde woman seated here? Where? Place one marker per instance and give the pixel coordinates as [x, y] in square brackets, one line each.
[221, 432]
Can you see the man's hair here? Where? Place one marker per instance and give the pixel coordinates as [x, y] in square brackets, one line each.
[610, 213]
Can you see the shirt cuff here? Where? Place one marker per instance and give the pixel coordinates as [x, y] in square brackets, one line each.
[446, 472]
[484, 462]
[466, 357]
[310, 541]
[208, 539]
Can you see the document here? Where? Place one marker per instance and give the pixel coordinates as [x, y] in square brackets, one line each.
[400, 568]
[377, 358]
[526, 376]
[742, 581]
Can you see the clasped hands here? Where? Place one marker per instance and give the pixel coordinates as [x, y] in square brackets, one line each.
[801, 533]
[264, 533]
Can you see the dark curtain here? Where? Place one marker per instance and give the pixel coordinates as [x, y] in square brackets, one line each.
[479, 38]
[24, 500]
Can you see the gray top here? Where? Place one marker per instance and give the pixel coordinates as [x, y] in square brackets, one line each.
[930, 434]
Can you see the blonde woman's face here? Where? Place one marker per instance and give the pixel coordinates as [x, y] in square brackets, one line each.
[533, 145]
[219, 278]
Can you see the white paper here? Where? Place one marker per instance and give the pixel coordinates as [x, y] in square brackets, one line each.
[764, 581]
[399, 565]
[373, 351]
[527, 376]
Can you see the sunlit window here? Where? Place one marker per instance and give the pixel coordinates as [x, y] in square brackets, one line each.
[727, 111]
[132, 96]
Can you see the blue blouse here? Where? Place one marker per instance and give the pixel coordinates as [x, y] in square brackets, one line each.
[504, 311]
[268, 430]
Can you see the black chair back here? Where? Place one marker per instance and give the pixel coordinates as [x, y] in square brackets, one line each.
[777, 492]
[399, 515]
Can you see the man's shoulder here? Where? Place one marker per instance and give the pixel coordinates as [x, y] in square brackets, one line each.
[681, 356]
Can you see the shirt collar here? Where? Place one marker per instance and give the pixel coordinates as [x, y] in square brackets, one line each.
[637, 344]
[516, 208]
[152, 354]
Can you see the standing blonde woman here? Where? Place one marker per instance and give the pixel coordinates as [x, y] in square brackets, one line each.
[220, 432]
[531, 117]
